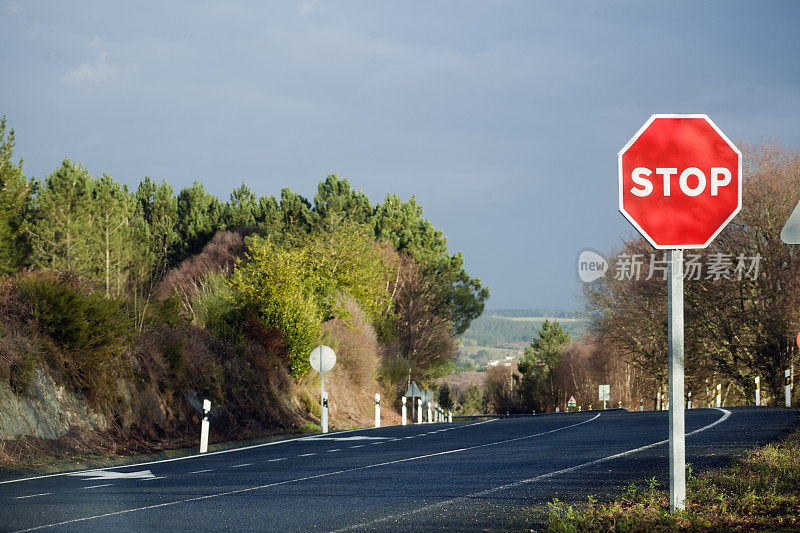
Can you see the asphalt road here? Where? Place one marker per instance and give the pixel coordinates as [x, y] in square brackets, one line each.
[467, 476]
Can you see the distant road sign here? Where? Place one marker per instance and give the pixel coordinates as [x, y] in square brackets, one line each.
[680, 181]
[322, 358]
[413, 391]
[605, 393]
[572, 402]
[790, 234]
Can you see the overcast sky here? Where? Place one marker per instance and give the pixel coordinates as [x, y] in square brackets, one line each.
[503, 118]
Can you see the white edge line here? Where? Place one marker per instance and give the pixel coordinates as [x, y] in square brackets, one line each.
[31, 495]
[297, 480]
[208, 454]
[487, 492]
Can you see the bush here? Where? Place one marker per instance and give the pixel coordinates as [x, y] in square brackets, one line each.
[89, 331]
[270, 286]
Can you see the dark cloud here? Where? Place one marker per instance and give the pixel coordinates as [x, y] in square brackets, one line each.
[504, 118]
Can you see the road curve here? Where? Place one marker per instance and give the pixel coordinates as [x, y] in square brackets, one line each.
[462, 476]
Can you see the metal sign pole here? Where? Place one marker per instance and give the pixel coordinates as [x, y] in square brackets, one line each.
[322, 402]
[677, 450]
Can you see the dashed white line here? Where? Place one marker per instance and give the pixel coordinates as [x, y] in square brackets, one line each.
[97, 486]
[241, 465]
[306, 454]
[202, 471]
[296, 480]
[335, 450]
[358, 446]
[31, 496]
[278, 459]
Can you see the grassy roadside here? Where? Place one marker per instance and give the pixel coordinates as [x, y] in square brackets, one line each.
[759, 492]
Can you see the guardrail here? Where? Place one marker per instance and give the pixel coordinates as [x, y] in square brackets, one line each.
[528, 415]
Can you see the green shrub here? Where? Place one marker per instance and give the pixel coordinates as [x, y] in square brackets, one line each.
[89, 331]
[271, 285]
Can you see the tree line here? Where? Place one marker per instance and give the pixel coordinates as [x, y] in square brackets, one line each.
[272, 268]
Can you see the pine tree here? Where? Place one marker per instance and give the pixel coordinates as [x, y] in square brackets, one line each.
[335, 202]
[61, 220]
[14, 200]
[113, 208]
[200, 216]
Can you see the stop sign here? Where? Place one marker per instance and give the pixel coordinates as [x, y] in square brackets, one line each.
[680, 181]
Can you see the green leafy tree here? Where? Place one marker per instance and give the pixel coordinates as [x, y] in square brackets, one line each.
[538, 367]
[273, 285]
[14, 200]
[473, 402]
[458, 296]
[347, 260]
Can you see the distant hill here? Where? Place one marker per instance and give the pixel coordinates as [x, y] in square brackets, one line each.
[500, 333]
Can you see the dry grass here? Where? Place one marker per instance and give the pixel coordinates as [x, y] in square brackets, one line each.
[352, 383]
[760, 492]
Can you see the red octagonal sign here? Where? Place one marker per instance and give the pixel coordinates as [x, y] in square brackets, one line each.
[680, 181]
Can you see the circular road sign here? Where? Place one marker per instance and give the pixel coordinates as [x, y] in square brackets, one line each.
[322, 358]
[680, 181]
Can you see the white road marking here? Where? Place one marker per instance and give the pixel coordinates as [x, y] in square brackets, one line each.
[241, 465]
[355, 437]
[278, 459]
[297, 480]
[306, 454]
[110, 474]
[194, 456]
[97, 486]
[335, 450]
[201, 471]
[31, 496]
[487, 492]
[359, 446]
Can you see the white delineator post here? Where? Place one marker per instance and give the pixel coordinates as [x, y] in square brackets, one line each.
[641, 404]
[788, 387]
[204, 426]
[450, 416]
[405, 419]
[719, 395]
[758, 390]
[429, 412]
[377, 410]
[677, 442]
[324, 412]
[689, 403]
[419, 410]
